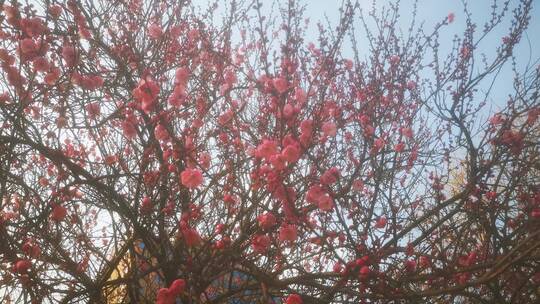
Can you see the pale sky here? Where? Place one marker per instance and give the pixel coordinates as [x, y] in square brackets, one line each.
[432, 12]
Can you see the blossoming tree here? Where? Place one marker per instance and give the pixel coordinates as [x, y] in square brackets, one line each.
[238, 146]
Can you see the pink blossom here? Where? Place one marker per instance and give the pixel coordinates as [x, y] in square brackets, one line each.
[451, 17]
[22, 266]
[325, 203]
[348, 63]
[378, 144]
[33, 27]
[266, 220]
[337, 267]
[497, 119]
[288, 111]
[168, 295]
[229, 77]
[55, 11]
[178, 286]
[288, 232]
[41, 64]
[358, 185]
[204, 160]
[294, 299]
[306, 126]
[532, 115]
[147, 92]
[260, 243]
[31, 249]
[329, 129]
[28, 46]
[314, 194]
[330, 176]
[300, 96]
[229, 199]
[161, 133]
[424, 261]
[291, 153]
[93, 110]
[178, 96]
[281, 84]
[278, 161]
[146, 205]
[465, 52]
[58, 213]
[191, 178]
[91, 82]
[181, 76]
[381, 222]
[225, 117]
[411, 85]
[407, 132]
[155, 31]
[410, 265]
[364, 272]
[70, 55]
[267, 148]
[191, 236]
[129, 129]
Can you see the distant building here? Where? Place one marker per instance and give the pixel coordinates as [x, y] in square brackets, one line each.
[151, 282]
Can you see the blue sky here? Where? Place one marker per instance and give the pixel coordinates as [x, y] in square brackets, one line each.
[432, 12]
